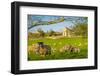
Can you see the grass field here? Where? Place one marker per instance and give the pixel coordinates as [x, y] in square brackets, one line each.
[57, 44]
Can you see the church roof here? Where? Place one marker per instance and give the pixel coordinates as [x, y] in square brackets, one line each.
[66, 28]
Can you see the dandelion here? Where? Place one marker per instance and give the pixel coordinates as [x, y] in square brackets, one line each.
[79, 44]
[75, 43]
[54, 44]
[60, 43]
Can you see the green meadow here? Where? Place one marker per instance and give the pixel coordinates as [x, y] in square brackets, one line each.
[57, 44]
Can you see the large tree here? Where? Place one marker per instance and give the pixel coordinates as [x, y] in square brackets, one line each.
[81, 29]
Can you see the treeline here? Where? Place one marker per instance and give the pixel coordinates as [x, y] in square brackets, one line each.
[40, 33]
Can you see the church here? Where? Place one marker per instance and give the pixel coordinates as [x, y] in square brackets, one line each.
[67, 32]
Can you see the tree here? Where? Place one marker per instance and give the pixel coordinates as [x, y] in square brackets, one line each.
[81, 29]
[41, 32]
[51, 33]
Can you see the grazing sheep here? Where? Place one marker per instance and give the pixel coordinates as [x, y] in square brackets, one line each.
[40, 49]
[70, 48]
[76, 50]
[64, 49]
[44, 49]
[33, 48]
[48, 49]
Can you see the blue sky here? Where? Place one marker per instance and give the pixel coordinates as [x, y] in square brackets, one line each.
[68, 22]
[56, 27]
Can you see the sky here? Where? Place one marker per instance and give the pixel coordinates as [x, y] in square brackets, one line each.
[56, 27]
[68, 22]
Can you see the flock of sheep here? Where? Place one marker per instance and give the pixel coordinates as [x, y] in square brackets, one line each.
[41, 49]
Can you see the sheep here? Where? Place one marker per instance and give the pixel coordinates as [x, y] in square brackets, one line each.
[43, 49]
[76, 50]
[34, 48]
[48, 49]
[39, 49]
[64, 49]
[69, 49]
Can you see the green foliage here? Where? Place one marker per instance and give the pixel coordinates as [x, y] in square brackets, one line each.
[41, 32]
[51, 33]
[34, 23]
[33, 35]
[81, 29]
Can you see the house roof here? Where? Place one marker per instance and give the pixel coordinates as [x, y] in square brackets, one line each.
[66, 28]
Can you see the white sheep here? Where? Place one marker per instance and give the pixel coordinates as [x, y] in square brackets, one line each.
[69, 49]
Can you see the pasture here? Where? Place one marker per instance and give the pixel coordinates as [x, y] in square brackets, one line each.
[57, 44]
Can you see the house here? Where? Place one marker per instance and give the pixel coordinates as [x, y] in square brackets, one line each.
[67, 32]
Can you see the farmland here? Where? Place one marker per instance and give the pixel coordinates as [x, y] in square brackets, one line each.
[56, 45]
